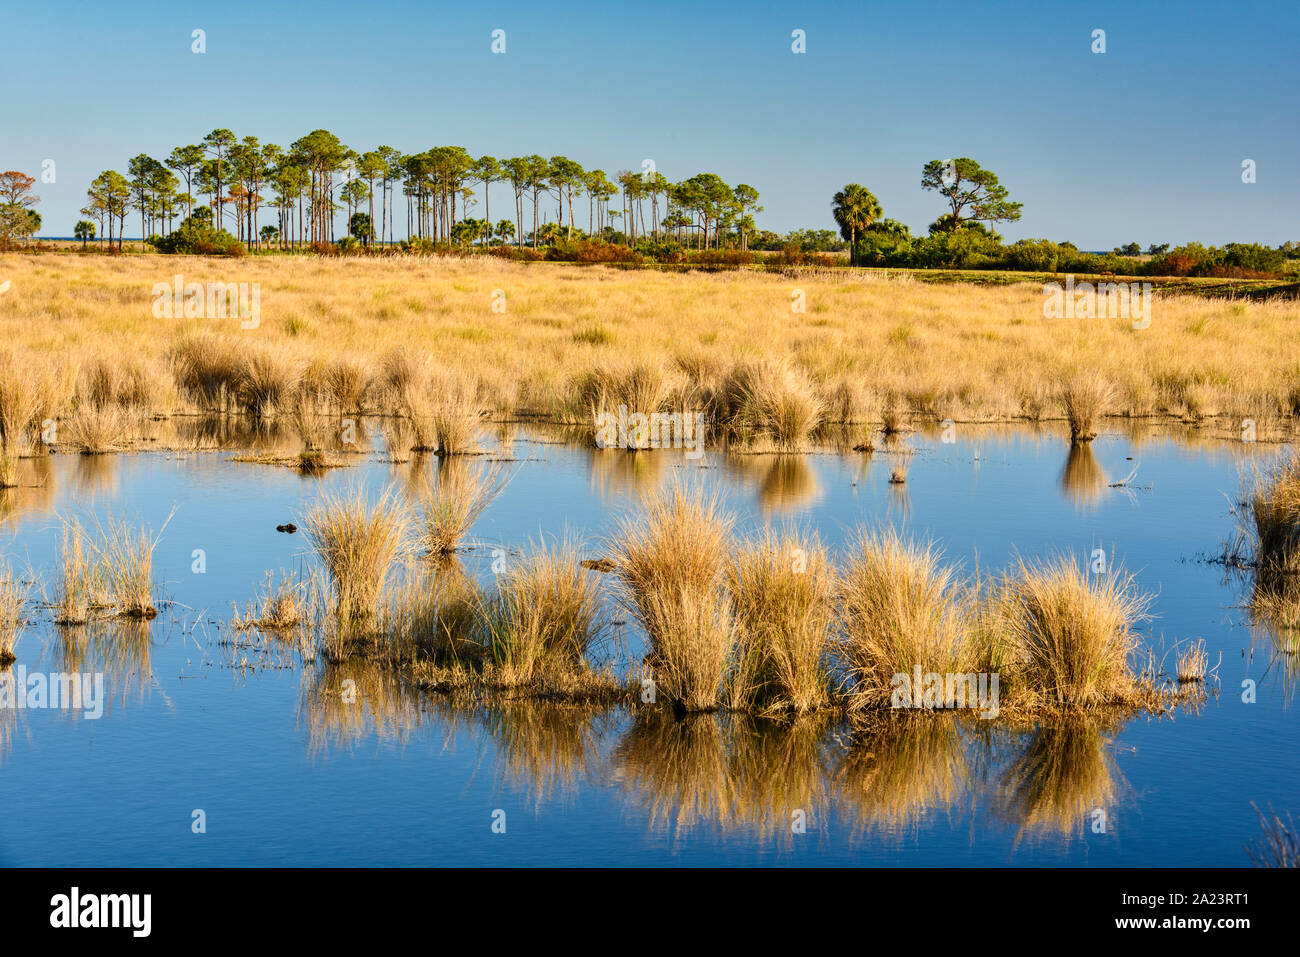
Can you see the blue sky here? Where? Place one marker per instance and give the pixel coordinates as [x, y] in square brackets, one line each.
[1142, 143]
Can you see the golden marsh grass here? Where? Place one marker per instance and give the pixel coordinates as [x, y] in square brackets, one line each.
[869, 347]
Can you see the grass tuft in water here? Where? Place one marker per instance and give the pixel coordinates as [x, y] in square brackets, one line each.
[670, 562]
[453, 500]
[782, 588]
[359, 542]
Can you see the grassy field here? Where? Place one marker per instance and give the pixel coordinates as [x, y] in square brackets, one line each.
[856, 346]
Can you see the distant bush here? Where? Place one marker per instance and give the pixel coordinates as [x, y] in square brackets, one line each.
[791, 254]
[1254, 257]
[589, 251]
[197, 235]
[960, 249]
[1234, 261]
[661, 250]
[417, 245]
[722, 257]
[1034, 255]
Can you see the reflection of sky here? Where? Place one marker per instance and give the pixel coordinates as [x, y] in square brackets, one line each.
[121, 790]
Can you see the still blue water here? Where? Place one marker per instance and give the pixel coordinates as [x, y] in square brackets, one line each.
[417, 780]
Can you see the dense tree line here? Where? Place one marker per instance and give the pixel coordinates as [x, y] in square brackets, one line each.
[701, 219]
[308, 184]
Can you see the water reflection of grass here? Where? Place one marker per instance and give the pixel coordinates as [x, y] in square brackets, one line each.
[677, 771]
[345, 703]
[1064, 778]
[893, 776]
[783, 481]
[545, 747]
[1083, 479]
[1265, 556]
[119, 648]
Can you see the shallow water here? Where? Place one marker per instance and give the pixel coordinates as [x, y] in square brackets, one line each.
[254, 736]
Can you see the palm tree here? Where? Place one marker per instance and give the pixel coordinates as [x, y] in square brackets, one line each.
[84, 230]
[855, 208]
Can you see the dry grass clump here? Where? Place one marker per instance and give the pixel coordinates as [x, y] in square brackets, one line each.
[80, 588]
[1193, 663]
[1071, 632]
[1087, 397]
[639, 386]
[1279, 846]
[454, 414]
[100, 430]
[128, 382]
[893, 415]
[266, 381]
[434, 613]
[404, 377]
[440, 405]
[207, 369]
[126, 564]
[900, 609]
[767, 401]
[545, 617]
[1274, 502]
[359, 542]
[347, 382]
[311, 422]
[13, 604]
[670, 563]
[18, 410]
[453, 502]
[782, 588]
[281, 607]
[110, 566]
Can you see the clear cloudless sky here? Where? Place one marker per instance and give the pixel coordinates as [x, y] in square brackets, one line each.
[1142, 143]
